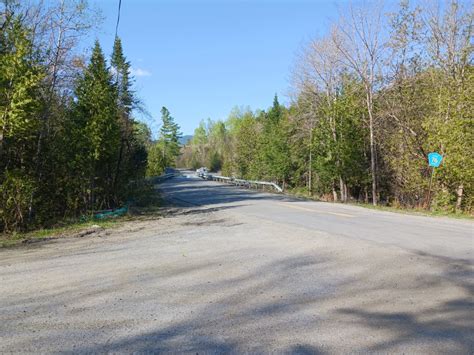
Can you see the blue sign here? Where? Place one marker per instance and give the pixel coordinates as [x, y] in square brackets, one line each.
[434, 159]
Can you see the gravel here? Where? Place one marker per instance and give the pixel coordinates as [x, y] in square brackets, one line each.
[214, 280]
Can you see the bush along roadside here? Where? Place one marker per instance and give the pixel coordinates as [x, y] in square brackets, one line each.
[144, 200]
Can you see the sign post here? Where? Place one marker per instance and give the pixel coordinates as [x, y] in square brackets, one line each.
[434, 160]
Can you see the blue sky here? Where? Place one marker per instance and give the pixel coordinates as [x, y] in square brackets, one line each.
[202, 58]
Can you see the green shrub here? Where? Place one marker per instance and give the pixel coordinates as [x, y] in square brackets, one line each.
[16, 191]
[443, 201]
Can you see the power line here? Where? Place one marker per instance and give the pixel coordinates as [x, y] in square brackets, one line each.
[118, 18]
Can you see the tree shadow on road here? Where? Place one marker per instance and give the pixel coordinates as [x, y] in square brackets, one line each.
[205, 194]
[264, 309]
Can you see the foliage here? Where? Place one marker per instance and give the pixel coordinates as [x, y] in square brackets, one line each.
[165, 151]
[15, 191]
[67, 147]
[372, 98]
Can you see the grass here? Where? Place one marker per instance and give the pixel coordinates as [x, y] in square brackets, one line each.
[147, 204]
[302, 193]
[65, 229]
[415, 211]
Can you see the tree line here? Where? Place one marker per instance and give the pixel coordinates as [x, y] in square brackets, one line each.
[69, 143]
[370, 99]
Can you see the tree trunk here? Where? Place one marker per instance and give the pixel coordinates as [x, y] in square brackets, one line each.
[310, 168]
[1, 142]
[372, 150]
[117, 168]
[459, 193]
[342, 190]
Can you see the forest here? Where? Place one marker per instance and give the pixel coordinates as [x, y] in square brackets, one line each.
[369, 100]
[69, 142]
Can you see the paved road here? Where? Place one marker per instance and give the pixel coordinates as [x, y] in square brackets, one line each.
[440, 237]
[232, 270]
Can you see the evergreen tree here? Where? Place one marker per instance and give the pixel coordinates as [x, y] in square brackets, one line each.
[169, 138]
[121, 71]
[129, 153]
[65, 149]
[97, 128]
[275, 113]
[274, 149]
[166, 150]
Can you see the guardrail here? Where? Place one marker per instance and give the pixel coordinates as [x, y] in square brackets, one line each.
[245, 183]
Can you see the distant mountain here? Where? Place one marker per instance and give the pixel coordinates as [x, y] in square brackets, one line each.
[185, 139]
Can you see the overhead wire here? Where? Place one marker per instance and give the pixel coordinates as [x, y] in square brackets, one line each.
[118, 18]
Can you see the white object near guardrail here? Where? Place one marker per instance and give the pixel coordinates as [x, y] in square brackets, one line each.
[241, 182]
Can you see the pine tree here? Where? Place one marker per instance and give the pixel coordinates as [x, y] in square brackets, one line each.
[97, 128]
[275, 113]
[274, 149]
[60, 141]
[166, 150]
[121, 71]
[125, 100]
[169, 138]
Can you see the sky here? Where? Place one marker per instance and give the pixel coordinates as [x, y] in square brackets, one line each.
[202, 58]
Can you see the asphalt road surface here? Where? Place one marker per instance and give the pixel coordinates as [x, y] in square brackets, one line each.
[231, 270]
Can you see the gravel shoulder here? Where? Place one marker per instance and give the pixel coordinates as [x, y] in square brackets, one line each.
[221, 279]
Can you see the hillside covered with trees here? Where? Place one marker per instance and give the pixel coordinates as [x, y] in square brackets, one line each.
[370, 99]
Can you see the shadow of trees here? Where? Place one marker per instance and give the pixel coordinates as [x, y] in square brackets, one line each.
[309, 300]
[304, 303]
[182, 191]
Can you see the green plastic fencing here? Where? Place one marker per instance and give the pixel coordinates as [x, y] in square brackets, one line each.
[111, 213]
